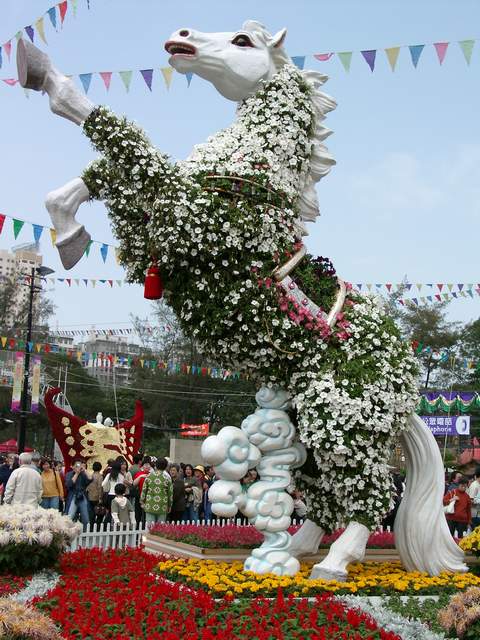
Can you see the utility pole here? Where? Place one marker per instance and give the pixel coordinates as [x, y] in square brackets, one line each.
[22, 430]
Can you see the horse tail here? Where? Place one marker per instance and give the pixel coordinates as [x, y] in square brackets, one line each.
[422, 537]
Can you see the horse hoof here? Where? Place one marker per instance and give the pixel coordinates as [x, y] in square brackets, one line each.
[32, 65]
[71, 249]
[324, 573]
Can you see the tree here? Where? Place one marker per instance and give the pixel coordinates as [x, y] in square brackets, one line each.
[469, 352]
[434, 335]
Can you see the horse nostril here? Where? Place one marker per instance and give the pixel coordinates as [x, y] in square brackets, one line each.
[184, 33]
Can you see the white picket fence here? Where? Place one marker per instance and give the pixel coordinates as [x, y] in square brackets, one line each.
[121, 536]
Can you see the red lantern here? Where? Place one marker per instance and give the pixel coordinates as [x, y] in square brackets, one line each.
[153, 283]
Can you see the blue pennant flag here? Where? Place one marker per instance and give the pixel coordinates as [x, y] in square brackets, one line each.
[37, 232]
[85, 79]
[30, 32]
[52, 14]
[189, 76]
[104, 251]
[416, 52]
[85, 281]
[299, 61]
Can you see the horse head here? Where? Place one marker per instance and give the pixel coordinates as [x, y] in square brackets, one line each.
[234, 62]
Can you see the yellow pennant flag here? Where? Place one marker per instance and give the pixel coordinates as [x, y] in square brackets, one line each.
[4, 341]
[53, 236]
[419, 286]
[392, 55]
[142, 362]
[450, 286]
[167, 73]
[117, 255]
[94, 282]
[38, 347]
[41, 30]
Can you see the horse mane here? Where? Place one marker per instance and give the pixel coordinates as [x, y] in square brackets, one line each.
[321, 160]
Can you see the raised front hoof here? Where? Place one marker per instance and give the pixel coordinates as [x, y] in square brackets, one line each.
[32, 65]
[72, 249]
[326, 573]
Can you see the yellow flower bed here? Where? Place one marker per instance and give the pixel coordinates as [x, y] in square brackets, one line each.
[471, 543]
[375, 578]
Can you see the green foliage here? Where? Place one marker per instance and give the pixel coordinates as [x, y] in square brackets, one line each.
[426, 610]
[26, 559]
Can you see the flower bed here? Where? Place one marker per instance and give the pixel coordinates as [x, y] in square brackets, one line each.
[245, 537]
[220, 578]
[10, 584]
[112, 594]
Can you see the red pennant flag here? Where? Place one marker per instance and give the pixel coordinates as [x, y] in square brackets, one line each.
[110, 282]
[438, 297]
[389, 286]
[8, 48]
[440, 286]
[323, 57]
[11, 342]
[107, 78]
[62, 7]
[10, 81]
[441, 49]
[2, 221]
[68, 281]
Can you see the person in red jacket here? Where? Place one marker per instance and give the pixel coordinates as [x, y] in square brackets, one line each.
[462, 515]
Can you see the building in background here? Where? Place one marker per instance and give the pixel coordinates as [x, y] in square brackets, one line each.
[14, 264]
[108, 358]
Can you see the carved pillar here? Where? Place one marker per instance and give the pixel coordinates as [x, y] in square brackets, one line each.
[264, 441]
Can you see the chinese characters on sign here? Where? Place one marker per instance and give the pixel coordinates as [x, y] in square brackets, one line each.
[448, 425]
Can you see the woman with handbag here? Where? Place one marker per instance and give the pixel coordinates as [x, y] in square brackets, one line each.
[52, 486]
[458, 509]
[95, 496]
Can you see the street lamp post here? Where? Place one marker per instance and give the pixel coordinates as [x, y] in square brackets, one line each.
[22, 430]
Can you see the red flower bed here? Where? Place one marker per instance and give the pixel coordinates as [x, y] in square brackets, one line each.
[104, 595]
[12, 584]
[245, 537]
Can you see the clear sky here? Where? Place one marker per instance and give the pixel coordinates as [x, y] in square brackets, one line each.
[404, 198]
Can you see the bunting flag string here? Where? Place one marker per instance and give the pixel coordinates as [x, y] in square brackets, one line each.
[37, 230]
[369, 56]
[55, 16]
[106, 360]
[444, 356]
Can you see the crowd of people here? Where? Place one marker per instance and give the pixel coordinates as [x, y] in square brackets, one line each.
[461, 502]
[151, 490]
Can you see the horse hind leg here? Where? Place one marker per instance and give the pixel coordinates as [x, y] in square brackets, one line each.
[62, 205]
[306, 540]
[349, 547]
[35, 71]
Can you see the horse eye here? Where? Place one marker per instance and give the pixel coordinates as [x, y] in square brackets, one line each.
[242, 41]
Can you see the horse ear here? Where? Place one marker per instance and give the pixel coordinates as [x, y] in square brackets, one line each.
[278, 39]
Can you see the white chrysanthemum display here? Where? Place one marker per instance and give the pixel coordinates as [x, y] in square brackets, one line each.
[22, 524]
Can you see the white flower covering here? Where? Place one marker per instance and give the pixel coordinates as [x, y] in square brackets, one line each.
[22, 524]
[218, 224]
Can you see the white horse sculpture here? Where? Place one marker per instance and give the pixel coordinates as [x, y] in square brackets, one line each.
[225, 227]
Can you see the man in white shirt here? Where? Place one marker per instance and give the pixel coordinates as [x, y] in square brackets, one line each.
[24, 485]
[474, 493]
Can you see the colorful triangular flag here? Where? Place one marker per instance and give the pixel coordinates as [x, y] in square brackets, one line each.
[370, 55]
[189, 76]
[299, 61]
[8, 48]
[323, 57]
[52, 14]
[41, 29]
[415, 53]
[392, 55]
[17, 227]
[467, 49]
[345, 59]
[53, 236]
[85, 79]
[167, 73]
[37, 232]
[147, 75]
[30, 32]
[126, 77]
[104, 251]
[62, 8]
[87, 248]
[2, 222]
[441, 49]
[107, 78]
